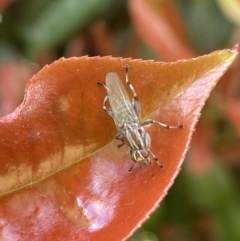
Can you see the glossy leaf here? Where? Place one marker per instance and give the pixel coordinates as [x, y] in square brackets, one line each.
[62, 177]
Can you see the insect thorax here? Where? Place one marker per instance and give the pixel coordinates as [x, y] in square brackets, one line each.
[135, 136]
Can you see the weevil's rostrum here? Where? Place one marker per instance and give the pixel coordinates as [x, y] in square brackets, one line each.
[126, 115]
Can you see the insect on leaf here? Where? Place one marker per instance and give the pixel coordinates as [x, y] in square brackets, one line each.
[61, 175]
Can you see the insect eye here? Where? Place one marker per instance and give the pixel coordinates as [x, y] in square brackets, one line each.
[144, 153]
[147, 140]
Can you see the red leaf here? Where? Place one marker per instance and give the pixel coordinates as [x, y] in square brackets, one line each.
[232, 109]
[56, 183]
[4, 4]
[14, 75]
[200, 155]
[160, 25]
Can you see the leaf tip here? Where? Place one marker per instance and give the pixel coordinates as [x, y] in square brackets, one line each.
[235, 47]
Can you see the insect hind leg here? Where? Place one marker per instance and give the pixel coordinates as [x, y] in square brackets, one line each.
[108, 110]
[136, 103]
[151, 121]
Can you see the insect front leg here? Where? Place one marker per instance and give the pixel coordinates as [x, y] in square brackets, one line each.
[135, 102]
[151, 121]
[147, 141]
[131, 167]
[156, 159]
[108, 110]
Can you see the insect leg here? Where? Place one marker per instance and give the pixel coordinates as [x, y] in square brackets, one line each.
[135, 102]
[156, 159]
[109, 111]
[120, 145]
[151, 121]
[119, 136]
[130, 169]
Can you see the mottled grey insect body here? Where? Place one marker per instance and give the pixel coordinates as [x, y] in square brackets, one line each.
[126, 115]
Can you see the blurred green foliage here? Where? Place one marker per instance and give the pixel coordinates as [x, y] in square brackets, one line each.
[208, 29]
[37, 26]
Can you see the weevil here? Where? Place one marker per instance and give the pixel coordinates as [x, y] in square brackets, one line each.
[126, 115]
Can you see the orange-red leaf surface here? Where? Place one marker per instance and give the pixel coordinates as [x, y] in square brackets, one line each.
[62, 177]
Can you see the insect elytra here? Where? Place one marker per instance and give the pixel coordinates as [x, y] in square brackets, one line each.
[126, 115]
